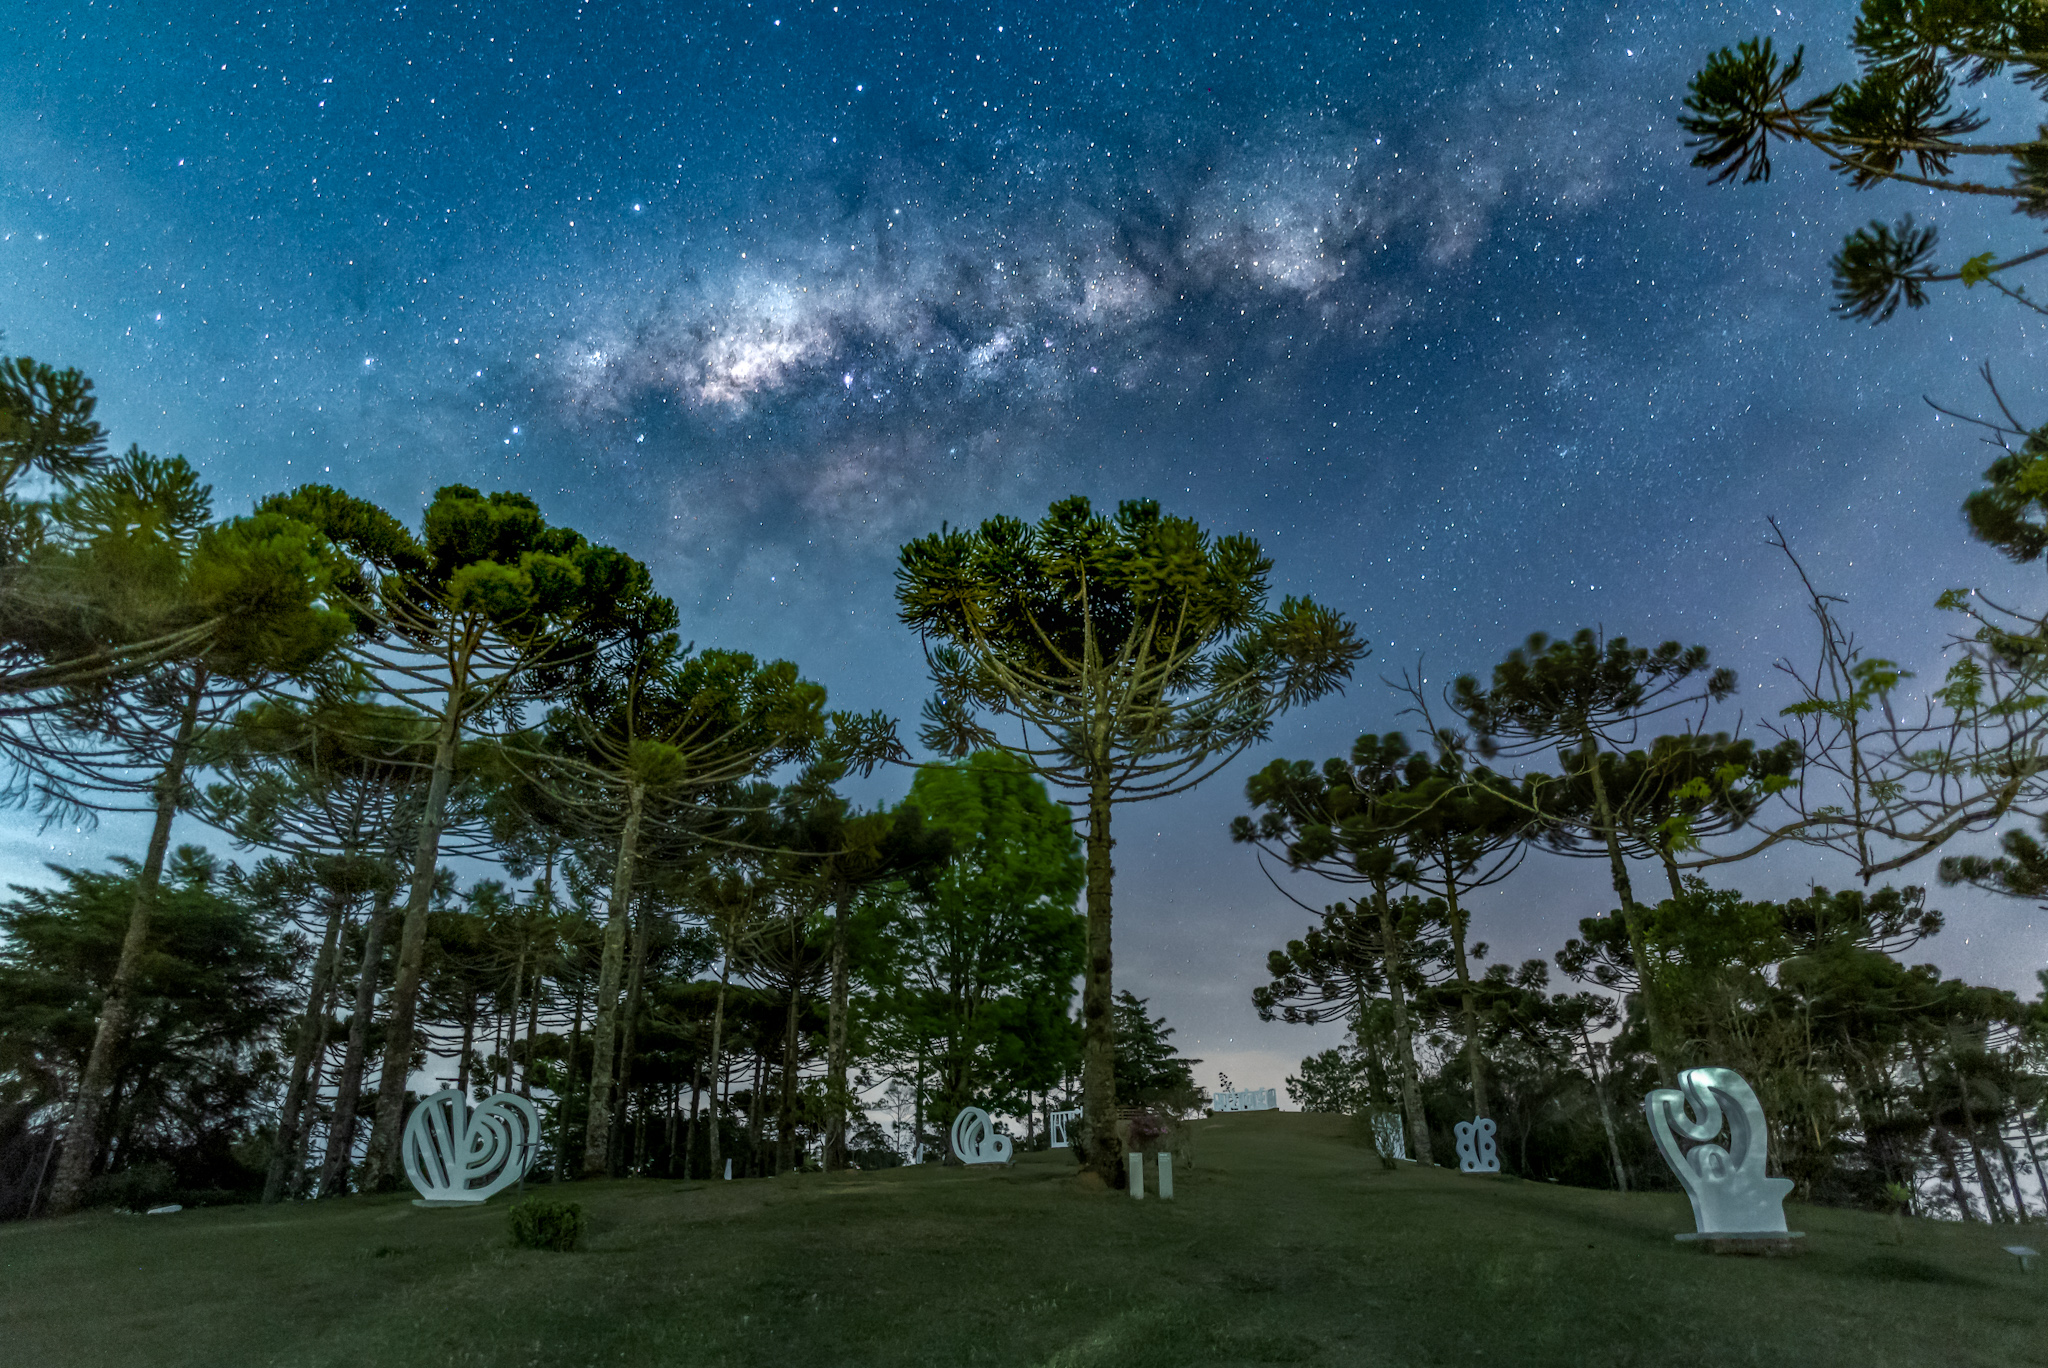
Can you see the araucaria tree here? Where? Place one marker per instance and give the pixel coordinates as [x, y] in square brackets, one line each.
[1899, 122]
[1583, 698]
[1123, 658]
[473, 617]
[263, 588]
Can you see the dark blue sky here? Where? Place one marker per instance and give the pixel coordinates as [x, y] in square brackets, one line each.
[1426, 299]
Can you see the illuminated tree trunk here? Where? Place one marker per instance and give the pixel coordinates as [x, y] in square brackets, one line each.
[604, 1031]
[1631, 914]
[1404, 1045]
[341, 1137]
[81, 1137]
[718, 1056]
[285, 1147]
[1468, 999]
[837, 1099]
[1104, 1152]
[412, 950]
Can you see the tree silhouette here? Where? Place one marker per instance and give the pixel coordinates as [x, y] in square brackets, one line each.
[1135, 655]
[1581, 698]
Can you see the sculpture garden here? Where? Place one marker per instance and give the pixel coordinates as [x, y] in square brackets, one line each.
[1285, 1243]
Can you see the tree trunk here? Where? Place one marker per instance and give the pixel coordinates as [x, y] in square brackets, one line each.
[1469, 1000]
[468, 1048]
[383, 1161]
[1945, 1145]
[754, 1164]
[1404, 1046]
[569, 1082]
[341, 1137]
[1631, 914]
[629, 1028]
[718, 1056]
[785, 1111]
[511, 1034]
[1606, 1115]
[1986, 1179]
[81, 1137]
[837, 1100]
[285, 1145]
[2027, 1134]
[2012, 1176]
[296, 1180]
[1100, 1150]
[604, 1033]
[690, 1131]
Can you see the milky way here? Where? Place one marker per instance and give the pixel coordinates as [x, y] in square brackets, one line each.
[1428, 300]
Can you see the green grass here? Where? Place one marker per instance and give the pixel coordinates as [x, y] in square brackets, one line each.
[1287, 1244]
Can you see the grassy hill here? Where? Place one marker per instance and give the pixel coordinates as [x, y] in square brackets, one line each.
[1287, 1243]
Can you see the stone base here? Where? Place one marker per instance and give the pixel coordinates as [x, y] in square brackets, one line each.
[457, 1202]
[1764, 1244]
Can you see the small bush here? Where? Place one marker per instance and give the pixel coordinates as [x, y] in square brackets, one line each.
[133, 1189]
[544, 1223]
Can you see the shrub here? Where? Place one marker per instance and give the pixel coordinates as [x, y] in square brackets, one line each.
[134, 1189]
[544, 1223]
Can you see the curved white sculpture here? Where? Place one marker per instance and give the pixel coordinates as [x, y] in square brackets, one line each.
[975, 1140]
[457, 1156]
[1476, 1152]
[1730, 1194]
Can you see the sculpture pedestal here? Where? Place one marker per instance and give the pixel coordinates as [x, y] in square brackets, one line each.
[424, 1202]
[1763, 1244]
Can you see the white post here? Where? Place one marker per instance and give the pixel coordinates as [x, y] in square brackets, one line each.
[1165, 1175]
[1136, 1160]
[728, 1170]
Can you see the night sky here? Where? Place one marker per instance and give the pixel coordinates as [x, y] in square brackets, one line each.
[1428, 300]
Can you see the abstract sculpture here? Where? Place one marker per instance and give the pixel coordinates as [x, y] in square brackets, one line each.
[456, 1156]
[1387, 1135]
[1476, 1153]
[1730, 1195]
[975, 1141]
[1248, 1099]
[1056, 1124]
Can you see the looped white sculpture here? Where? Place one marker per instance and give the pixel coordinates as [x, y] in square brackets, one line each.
[1056, 1125]
[975, 1140]
[1476, 1152]
[1730, 1194]
[457, 1156]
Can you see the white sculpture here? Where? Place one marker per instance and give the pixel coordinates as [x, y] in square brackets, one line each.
[456, 1156]
[1247, 1099]
[1388, 1135]
[975, 1140]
[1476, 1153]
[1134, 1163]
[1730, 1194]
[1056, 1124]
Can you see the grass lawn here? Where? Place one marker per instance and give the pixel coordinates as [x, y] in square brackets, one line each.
[1286, 1243]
